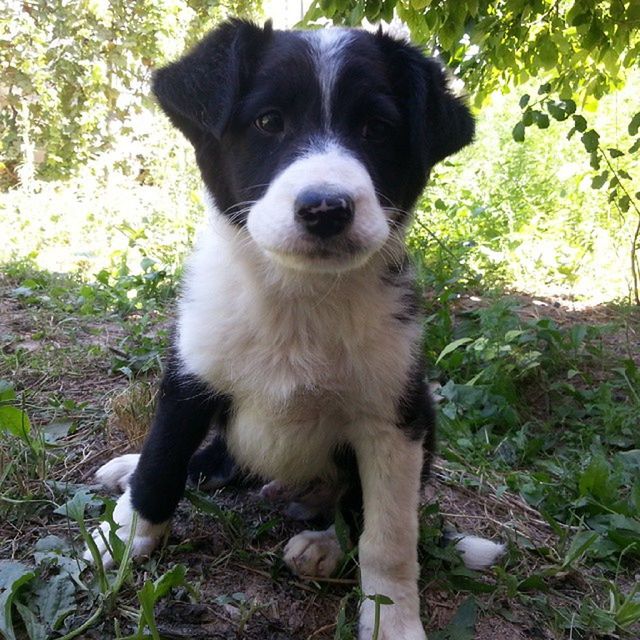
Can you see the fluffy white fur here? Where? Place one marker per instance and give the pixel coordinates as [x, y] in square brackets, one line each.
[274, 229]
[313, 358]
[115, 474]
[479, 553]
[314, 553]
[146, 535]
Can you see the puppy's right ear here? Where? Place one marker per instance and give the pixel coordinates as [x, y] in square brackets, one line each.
[198, 91]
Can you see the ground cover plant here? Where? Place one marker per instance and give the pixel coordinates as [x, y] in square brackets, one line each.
[531, 332]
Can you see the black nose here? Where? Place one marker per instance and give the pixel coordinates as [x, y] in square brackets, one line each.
[324, 213]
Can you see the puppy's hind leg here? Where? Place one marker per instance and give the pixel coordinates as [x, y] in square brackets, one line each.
[314, 553]
[185, 410]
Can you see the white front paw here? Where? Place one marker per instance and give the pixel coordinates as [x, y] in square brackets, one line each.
[145, 537]
[313, 553]
[396, 623]
[116, 473]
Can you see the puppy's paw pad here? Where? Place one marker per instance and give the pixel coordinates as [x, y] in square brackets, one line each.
[116, 473]
[313, 553]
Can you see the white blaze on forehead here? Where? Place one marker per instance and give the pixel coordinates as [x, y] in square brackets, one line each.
[327, 46]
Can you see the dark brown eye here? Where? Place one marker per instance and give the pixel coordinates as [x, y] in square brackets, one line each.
[270, 122]
[376, 130]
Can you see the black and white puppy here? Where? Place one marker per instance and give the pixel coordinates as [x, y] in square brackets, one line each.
[299, 328]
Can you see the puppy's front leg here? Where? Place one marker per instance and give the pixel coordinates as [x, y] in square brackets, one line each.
[390, 466]
[184, 413]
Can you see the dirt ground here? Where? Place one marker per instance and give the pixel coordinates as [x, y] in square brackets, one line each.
[285, 608]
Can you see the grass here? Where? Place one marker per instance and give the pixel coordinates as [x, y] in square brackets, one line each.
[539, 446]
[538, 398]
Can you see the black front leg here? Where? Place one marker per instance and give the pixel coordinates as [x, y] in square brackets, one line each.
[186, 408]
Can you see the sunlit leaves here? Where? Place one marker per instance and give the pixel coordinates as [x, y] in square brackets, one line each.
[590, 140]
[75, 74]
[519, 132]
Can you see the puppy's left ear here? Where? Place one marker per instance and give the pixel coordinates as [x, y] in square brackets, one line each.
[441, 123]
[449, 123]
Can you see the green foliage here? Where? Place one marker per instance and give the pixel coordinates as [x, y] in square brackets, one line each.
[532, 411]
[525, 214]
[575, 51]
[462, 626]
[55, 596]
[13, 420]
[567, 448]
[577, 47]
[75, 74]
[151, 593]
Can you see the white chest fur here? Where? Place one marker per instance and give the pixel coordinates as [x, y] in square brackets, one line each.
[306, 357]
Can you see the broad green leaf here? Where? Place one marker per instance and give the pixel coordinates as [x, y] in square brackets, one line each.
[55, 599]
[542, 120]
[16, 422]
[580, 123]
[36, 630]
[452, 346]
[579, 545]
[595, 478]
[56, 431]
[57, 551]
[548, 52]
[152, 592]
[590, 140]
[75, 508]
[597, 182]
[7, 394]
[175, 577]
[13, 576]
[518, 132]
[462, 625]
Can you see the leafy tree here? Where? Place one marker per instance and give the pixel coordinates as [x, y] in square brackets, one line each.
[74, 71]
[577, 51]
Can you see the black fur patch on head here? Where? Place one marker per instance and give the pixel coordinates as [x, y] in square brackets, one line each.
[199, 91]
[390, 106]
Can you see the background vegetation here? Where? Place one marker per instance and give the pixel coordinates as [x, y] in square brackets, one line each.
[526, 245]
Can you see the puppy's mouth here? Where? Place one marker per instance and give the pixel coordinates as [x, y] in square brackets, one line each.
[321, 256]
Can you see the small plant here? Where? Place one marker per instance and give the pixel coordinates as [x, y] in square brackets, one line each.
[58, 596]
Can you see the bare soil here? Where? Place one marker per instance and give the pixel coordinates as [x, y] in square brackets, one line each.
[69, 359]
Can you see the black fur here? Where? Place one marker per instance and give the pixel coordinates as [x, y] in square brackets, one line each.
[212, 466]
[184, 413]
[216, 92]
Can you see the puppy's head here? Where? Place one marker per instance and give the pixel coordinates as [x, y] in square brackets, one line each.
[318, 142]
